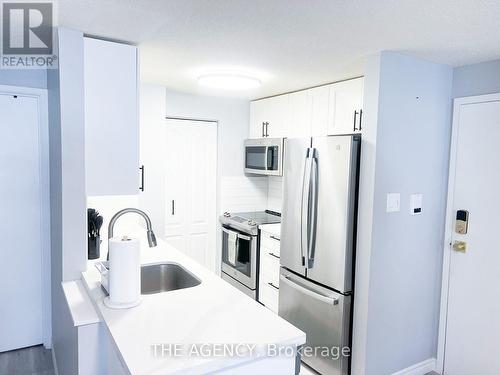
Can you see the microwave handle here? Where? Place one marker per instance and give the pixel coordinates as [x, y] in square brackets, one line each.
[242, 236]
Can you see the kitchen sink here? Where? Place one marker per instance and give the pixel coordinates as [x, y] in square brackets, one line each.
[164, 277]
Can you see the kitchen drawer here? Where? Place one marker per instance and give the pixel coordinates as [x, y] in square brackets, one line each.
[269, 266]
[269, 295]
[270, 241]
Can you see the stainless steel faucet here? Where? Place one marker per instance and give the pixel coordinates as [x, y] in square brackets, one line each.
[150, 234]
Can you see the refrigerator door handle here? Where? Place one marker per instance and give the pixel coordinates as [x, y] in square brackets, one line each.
[313, 204]
[311, 293]
[304, 214]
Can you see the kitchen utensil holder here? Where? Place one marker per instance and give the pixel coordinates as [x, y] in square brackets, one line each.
[94, 247]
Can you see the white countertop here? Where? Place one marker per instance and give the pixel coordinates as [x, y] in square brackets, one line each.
[271, 228]
[80, 306]
[213, 312]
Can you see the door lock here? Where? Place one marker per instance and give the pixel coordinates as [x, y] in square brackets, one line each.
[462, 222]
[460, 246]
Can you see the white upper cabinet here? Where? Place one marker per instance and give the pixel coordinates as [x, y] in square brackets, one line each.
[319, 116]
[269, 117]
[299, 114]
[111, 118]
[325, 110]
[346, 107]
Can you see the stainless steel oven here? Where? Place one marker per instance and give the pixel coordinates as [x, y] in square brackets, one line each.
[239, 260]
[264, 156]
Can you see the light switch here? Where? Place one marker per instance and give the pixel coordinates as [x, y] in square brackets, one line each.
[416, 204]
[393, 202]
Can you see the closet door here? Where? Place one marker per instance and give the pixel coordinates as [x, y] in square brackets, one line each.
[21, 253]
[190, 188]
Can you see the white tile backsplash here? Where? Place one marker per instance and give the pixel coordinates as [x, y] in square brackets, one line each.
[274, 193]
[241, 193]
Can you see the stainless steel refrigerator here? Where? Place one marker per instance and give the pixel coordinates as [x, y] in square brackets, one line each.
[317, 244]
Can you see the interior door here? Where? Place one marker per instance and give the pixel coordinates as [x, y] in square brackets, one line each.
[190, 188]
[21, 275]
[337, 171]
[291, 213]
[473, 328]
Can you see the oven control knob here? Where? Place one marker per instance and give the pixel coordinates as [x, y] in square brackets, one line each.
[227, 214]
[252, 223]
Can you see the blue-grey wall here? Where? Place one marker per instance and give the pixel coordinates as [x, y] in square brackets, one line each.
[36, 78]
[67, 190]
[401, 254]
[476, 79]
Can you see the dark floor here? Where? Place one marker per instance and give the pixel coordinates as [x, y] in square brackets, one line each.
[35, 360]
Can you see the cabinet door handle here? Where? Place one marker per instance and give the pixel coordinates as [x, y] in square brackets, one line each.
[360, 118]
[355, 118]
[267, 129]
[173, 207]
[274, 238]
[263, 132]
[274, 286]
[141, 188]
[274, 255]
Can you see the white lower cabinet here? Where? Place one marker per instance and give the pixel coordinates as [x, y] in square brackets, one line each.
[269, 270]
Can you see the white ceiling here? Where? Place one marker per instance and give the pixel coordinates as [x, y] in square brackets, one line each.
[288, 44]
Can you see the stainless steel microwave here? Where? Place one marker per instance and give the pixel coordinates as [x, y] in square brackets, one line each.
[264, 156]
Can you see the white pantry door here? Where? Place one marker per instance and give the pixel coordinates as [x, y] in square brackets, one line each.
[473, 321]
[20, 218]
[190, 188]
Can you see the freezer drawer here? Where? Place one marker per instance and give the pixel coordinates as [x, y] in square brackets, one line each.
[323, 315]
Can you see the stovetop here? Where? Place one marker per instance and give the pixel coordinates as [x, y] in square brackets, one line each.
[249, 221]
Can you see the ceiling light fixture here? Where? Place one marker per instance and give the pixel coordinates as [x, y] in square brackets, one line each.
[229, 81]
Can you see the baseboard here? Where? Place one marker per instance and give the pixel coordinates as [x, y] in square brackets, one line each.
[54, 362]
[420, 368]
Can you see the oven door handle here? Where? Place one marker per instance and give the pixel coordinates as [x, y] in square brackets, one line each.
[238, 234]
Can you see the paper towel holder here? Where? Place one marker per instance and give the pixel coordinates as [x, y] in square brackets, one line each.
[150, 234]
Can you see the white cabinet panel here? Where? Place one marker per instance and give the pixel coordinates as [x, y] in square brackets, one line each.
[269, 117]
[111, 118]
[299, 114]
[319, 114]
[269, 270]
[346, 103]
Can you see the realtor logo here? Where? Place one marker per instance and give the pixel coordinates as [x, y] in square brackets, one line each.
[27, 28]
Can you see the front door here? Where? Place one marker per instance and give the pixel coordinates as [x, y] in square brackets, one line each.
[190, 188]
[473, 317]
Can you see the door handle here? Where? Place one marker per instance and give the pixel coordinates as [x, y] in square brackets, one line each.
[263, 133]
[274, 286]
[460, 246]
[267, 129]
[360, 119]
[311, 293]
[173, 207]
[308, 214]
[304, 209]
[141, 188]
[274, 255]
[355, 118]
[313, 204]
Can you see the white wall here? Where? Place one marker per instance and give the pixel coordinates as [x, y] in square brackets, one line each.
[398, 275]
[476, 79]
[36, 78]
[67, 190]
